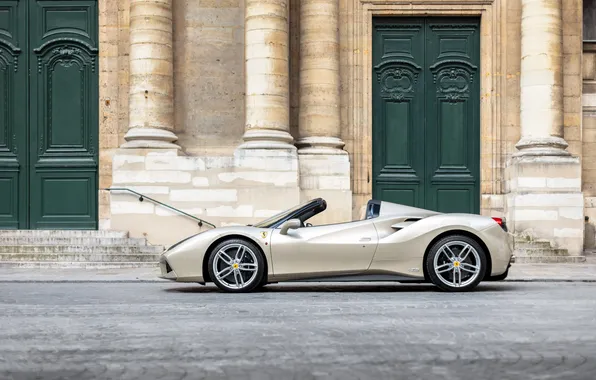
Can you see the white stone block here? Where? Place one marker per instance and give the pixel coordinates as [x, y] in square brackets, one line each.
[174, 163]
[163, 211]
[244, 211]
[134, 176]
[548, 200]
[120, 160]
[571, 212]
[218, 162]
[211, 195]
[117, 207]
[532, 182]
[276, 179]
[569, 233]
[150, 189]
[265, 213]
[334, 183]
[537, 215]
[560, 183]
[163, 152]
[200, 182]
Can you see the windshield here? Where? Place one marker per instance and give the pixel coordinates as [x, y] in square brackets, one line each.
[275, 218]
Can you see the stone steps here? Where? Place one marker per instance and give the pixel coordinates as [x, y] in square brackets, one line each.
[63, 233]
[75, 249]
[521, 244]
[79, 257]
[549, 259]
[76, 265]
[83, 249]
[541, 252]
[88, 241]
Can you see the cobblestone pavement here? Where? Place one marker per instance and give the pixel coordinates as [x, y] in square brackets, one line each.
[172, 331]
[519, 272]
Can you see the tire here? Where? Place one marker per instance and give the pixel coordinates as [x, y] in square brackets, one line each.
[449, 272]
[229, 280]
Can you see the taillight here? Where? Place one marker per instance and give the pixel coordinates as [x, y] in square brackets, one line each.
[501, 222]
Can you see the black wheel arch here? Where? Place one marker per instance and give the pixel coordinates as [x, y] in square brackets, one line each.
[463, 233]
[205, 269]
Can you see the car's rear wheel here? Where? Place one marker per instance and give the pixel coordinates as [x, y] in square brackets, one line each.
[236, 265]
[456, 263]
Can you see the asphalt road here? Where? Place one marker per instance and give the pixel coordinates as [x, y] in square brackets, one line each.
[172, 331]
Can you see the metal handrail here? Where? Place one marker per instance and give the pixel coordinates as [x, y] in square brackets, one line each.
[143, 197]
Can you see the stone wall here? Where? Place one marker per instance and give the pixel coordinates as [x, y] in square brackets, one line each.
[209, 72]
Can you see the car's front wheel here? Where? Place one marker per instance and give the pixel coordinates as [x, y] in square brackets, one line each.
[236, 265]
[456, 263]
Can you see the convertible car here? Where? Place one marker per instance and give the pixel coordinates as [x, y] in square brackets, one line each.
[391, 242]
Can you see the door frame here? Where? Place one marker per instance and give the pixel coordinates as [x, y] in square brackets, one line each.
[358, 95]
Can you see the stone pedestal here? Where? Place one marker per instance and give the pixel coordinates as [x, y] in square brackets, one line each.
[545, 205]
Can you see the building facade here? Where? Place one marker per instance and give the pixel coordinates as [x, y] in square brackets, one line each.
[233, 110]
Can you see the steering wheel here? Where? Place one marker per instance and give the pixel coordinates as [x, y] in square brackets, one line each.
[308, 225]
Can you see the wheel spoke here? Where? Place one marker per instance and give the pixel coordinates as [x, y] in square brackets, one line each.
[456, 277]
[449, 253]
[248, 267]
[240, 253]
[225, 257]
[238, 275]
[467, 249]
[469, 267]
[444, 268]
[227, 272]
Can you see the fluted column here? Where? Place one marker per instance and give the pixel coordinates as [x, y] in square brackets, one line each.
[541, 79]
[151, 97]
[267, 75]
[319, 124]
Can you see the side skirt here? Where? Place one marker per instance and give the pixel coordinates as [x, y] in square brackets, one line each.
[363, 278]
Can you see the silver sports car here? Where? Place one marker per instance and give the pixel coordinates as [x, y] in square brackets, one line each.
[391, 242]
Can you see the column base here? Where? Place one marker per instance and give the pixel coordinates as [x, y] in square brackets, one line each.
[545, 204]
[320, 145]
[542, 146]
[149, 138]
[267, 139]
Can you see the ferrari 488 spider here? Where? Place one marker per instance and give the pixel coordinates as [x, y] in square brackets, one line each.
[391, 242]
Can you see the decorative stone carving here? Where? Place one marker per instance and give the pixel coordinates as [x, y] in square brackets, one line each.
[453, 79]
[398, 79]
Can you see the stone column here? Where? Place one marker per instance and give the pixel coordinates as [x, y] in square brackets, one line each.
[544, 204]
[319, 78]
[151, 98]
[324, 165]
[541, 78]
[267, 75]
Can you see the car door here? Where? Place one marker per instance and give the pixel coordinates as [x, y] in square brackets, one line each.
[329, 249]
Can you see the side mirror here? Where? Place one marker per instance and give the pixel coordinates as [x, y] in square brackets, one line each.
[291, 224]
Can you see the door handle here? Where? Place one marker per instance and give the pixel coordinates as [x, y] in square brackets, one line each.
[365, 239]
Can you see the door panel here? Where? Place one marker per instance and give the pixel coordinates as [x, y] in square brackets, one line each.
[48, 114]
[426, 104]
[453, 115]
[398, 163]
[331, 249]
[13, 115]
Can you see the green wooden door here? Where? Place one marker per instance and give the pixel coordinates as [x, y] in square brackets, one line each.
[48, 114]
[426, 113]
